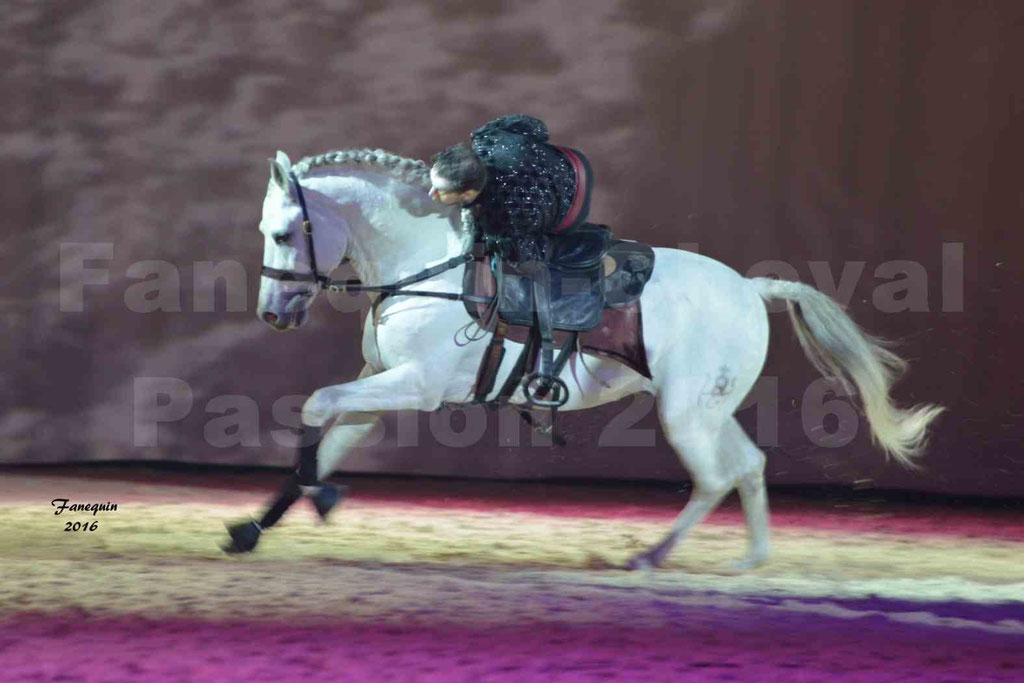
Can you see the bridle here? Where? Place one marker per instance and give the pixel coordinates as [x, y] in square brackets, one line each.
[314, 276]
[354, 284]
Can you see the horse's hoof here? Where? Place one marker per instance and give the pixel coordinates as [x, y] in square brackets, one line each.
[641, 562]
[749, 562]
[244, 537]
[326, 498]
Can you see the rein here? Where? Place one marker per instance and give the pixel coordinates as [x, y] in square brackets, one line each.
[356, 285]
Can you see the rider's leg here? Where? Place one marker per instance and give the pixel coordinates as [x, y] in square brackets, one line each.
[541, 282]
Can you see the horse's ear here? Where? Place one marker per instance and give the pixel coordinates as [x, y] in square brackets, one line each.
[280, 168]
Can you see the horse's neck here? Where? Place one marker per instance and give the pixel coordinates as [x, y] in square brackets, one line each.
[395, 229]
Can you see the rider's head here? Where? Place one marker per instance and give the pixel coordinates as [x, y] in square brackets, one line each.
[457, 176]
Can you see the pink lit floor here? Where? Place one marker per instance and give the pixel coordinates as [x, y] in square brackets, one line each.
[425, 580]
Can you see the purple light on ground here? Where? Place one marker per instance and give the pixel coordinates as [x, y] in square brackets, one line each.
[693, 644]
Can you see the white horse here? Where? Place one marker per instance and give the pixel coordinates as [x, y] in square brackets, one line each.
[701, 318]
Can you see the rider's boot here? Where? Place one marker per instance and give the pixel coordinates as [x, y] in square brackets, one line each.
[540, 383]
[542, 300]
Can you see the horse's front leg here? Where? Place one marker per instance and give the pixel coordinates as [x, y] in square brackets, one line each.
[401, 388]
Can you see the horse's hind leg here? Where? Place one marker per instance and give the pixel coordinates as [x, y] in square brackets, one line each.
[747, 460]
[698, 446]
[719, 456]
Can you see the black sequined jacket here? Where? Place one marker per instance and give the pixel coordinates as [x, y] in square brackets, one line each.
[530, 187]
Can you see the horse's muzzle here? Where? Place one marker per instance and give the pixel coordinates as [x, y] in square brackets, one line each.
[284, 321]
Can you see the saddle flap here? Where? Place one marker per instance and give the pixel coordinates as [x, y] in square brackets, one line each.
[577, 296]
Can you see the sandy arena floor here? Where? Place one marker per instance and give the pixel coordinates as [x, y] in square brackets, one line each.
[433, 581]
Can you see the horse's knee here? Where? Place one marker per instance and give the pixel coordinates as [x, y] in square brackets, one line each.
[317, 409]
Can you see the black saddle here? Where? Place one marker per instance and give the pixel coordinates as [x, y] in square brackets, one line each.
[577, 282]
[589, 272]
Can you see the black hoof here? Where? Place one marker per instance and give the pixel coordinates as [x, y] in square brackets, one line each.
[244, 537]
[326, 498]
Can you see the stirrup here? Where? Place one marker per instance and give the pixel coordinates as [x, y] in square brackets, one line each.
[550, 383]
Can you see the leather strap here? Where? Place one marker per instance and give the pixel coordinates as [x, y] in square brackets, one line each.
[563, 357]
[307, 226]
[542, 307]
[527, 359]
[489, 364]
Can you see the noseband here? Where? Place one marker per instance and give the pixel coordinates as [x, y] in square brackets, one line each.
[356, 285]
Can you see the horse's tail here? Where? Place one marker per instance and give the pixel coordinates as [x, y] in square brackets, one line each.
[839, 348]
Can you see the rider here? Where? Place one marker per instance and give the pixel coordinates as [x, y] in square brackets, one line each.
[518, 190]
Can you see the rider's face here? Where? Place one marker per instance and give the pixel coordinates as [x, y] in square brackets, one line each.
[441, 193]
[448, 198]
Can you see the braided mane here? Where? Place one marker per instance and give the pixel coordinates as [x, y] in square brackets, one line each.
[411, 171]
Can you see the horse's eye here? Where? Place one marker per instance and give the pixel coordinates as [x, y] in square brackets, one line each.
[280, 238]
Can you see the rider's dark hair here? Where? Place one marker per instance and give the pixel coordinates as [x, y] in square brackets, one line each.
[460, 166]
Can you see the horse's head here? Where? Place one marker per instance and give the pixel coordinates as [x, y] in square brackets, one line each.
[288, 285]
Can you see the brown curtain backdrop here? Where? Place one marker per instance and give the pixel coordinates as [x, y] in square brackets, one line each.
[872, 147]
